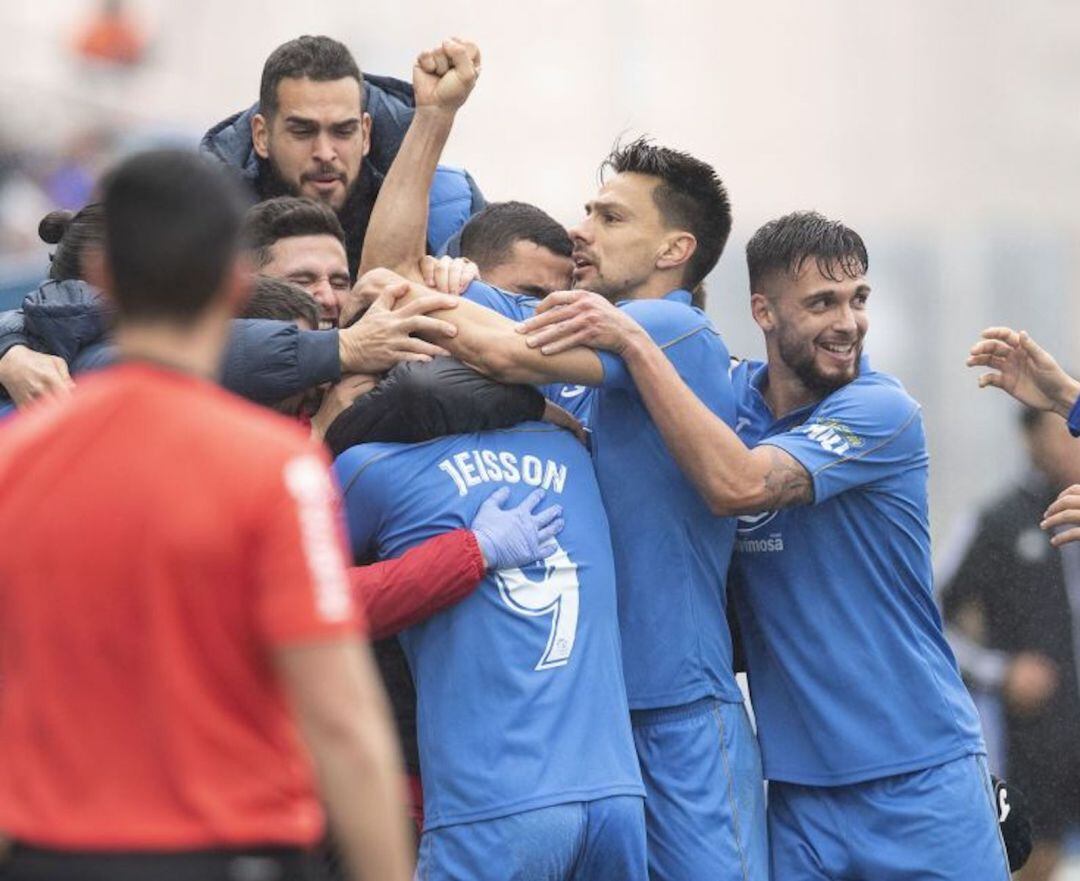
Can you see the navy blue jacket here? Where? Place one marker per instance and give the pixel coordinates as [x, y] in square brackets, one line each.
[265, 361]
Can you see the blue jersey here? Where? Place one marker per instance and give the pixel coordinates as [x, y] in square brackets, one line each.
[671, 552]
[576, 399]
[850, 674]
[521, 702]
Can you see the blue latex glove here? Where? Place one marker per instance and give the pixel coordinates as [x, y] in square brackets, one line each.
[513, 537]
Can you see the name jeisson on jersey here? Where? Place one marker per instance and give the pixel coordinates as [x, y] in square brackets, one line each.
[473, 467]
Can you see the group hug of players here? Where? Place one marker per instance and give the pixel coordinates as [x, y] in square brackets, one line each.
[553, 497]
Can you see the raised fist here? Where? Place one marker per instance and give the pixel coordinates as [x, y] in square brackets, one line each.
[444, 76]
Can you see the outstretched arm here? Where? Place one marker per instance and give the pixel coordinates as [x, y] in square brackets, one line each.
[397, 231]
[484, 339]
[731, 478]
[432, 576]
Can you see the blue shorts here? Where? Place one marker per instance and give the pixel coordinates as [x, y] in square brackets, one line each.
[705, 799]
[602, 840]
[939, 824]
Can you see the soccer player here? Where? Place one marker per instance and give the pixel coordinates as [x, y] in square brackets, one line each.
[871, 745]
[301, 241]
[161, 663]
[653, 232]
[323, 130]
[525, 748]
[1006, 595]
[519, 248]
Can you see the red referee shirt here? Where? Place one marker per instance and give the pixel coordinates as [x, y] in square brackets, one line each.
[159, 539]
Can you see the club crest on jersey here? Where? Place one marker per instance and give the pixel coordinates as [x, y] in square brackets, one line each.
[748, 539]
[752, 522]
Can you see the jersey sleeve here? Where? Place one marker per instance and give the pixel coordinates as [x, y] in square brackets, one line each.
[421, 582]
[668, 324]
[302, 585]
[859, 435]
[512, 306]
[361, 491]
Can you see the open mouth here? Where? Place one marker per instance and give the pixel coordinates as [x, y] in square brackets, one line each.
[582, 265]
[839, 351]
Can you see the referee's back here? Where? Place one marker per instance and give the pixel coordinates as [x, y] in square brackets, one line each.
[174, 604]
[153, 557]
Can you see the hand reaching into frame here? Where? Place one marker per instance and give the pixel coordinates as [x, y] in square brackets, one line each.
[1021, 368]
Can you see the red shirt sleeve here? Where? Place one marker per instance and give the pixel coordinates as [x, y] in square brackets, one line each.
[424, 580]
[301, 577]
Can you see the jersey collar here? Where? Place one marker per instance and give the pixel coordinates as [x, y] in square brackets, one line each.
[679, 295]
[759, 373]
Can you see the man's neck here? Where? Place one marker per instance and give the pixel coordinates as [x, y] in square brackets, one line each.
[196, 349]
[655, 287]
[784, 392]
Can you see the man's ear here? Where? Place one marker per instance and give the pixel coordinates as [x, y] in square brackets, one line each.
[676, 250]
[95, 270]
[260, 135]
[365, 128]
[763, 310]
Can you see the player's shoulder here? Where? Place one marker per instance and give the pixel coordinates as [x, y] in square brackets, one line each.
[362, 462]
[516, 306]
[743, 371]
[545, 437]
[876, 396]
[670, 320]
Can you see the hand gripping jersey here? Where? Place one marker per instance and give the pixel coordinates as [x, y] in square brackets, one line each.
[521, 699]
[671, 552]
[575, 399]
[850, 673]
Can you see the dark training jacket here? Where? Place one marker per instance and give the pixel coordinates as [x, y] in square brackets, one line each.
[454, 196]
[1017, 577]
[265, 361]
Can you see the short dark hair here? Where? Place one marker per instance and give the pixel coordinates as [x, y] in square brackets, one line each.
[280, 300]
[322, 59]
[72, 234]
[690, 196]
[490, 234]
[171, 224]
[785, 244]
[284, 218]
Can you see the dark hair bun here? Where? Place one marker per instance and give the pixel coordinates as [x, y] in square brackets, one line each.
[53, 226]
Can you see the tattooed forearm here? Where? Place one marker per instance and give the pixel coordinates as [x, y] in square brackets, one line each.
[787, 482]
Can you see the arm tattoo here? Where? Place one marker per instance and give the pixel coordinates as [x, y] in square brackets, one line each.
[787, 482]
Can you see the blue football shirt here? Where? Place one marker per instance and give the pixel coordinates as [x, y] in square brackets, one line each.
[671, 552]
[850, 674]
[576, 399]
[521, 702]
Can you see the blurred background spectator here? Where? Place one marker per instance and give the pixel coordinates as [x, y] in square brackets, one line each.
[1012, 602]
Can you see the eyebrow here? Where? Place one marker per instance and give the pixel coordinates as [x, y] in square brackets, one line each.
[304, 120]
[610, 204]
[861, 289]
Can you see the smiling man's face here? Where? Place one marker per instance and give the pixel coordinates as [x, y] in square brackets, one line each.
[819, 324]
